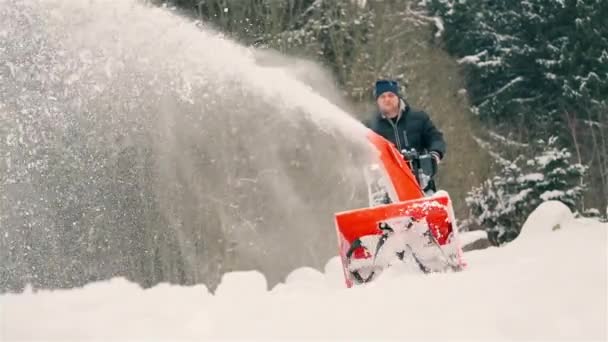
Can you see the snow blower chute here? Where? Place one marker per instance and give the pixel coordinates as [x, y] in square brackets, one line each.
[404, 223]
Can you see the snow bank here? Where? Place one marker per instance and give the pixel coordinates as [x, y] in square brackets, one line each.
[547, 216]
[548, 284]
[467, 238]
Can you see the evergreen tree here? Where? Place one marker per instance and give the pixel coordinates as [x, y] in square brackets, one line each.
[530, 57]
[502, 204]
[537, 68]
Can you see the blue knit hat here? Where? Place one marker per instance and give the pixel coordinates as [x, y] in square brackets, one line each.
[382, 86]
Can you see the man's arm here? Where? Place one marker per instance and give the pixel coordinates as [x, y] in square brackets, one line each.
[433, 137]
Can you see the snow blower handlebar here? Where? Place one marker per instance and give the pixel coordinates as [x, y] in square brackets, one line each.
[422, 167]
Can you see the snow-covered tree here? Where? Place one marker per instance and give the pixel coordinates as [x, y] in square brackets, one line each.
[333, 31]
[537, 68]
[530, 57]
[498, 204]
[502, 204]
[557, 178]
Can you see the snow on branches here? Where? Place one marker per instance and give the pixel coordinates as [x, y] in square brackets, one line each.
[502, 203]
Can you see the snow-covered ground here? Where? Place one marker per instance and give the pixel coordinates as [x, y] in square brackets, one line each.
[549, 284]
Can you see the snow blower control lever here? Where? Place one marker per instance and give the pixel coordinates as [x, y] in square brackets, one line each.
[423, 168]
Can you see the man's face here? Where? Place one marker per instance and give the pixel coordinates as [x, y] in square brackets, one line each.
[388, 103]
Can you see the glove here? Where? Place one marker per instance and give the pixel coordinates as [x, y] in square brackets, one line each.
[436, 158]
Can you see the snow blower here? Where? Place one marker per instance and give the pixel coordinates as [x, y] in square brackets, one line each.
[407, 221]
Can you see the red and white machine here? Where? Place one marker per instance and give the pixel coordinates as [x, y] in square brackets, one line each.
[402, 224]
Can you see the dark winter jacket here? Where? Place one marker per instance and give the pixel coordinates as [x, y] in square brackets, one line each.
[412, 129]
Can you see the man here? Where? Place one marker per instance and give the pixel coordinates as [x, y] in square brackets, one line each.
[403, 126]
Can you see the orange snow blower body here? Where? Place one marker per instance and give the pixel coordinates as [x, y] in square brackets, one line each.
[425, 224]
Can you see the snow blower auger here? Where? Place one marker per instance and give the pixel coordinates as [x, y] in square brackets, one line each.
[407, 222]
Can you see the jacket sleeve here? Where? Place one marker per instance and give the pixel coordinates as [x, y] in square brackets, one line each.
[433, 137]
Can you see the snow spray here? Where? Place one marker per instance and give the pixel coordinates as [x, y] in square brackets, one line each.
[137, 143]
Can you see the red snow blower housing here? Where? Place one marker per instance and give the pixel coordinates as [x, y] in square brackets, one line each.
[403, 223]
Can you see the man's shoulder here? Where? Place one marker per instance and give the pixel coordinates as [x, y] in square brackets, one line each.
[418, 114]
